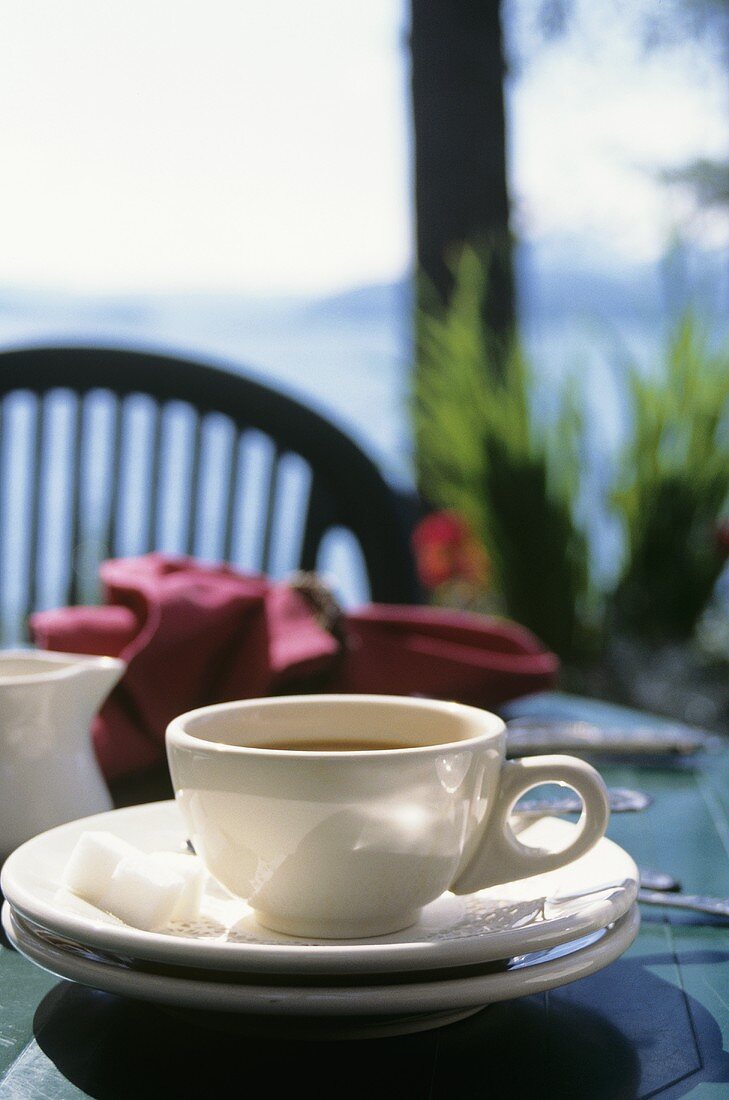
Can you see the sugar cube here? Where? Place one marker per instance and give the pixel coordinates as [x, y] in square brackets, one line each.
[191, 870]
[69, 902]
[143, 893]
[92, 863]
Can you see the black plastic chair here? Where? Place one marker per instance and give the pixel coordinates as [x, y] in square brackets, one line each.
[108, 452]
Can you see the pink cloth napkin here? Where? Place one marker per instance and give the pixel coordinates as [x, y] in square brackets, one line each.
[194, 634]
[443, 653]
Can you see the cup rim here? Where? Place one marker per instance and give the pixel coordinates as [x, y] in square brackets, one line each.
[65, 665]
[177, 736]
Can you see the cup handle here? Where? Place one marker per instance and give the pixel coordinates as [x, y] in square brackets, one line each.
[500, 856]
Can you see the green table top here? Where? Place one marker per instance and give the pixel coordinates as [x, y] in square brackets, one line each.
[654, 1023]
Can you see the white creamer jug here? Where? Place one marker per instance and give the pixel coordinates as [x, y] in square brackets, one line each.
[48, 770]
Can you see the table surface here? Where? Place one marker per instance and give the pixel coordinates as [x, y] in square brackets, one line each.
[653, 1023]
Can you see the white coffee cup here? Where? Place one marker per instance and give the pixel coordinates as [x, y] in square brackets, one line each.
[333, 843]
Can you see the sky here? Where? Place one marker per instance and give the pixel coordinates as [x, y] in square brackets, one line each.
[593, 117]
[264, 149]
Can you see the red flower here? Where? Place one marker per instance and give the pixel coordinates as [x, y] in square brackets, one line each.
[446, 550]
[721, 536]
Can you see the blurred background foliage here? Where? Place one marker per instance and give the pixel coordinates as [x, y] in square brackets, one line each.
[487, 451]
[482, 452]
[673, 487]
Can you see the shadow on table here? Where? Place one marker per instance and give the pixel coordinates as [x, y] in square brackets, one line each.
[646, 1037]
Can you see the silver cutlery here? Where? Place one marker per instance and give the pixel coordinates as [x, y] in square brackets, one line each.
[695, 903]
[658, 880]
[526, 736]
[622, 800]
[656, 889]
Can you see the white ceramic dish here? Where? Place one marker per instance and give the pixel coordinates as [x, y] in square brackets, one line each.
[453, 931]
[432, 1002]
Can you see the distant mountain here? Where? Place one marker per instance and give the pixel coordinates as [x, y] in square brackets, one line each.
[387, 301]
[581, 279]
[557, 281]
[544, 291]
[562, 279]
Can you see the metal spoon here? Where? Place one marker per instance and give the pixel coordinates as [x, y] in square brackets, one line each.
[528, 735]
[658, 880]
[655, 887]
[695, 903]
[622, 800]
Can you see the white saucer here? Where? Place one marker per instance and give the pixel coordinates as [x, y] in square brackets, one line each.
[521, 917]
[432, 1003]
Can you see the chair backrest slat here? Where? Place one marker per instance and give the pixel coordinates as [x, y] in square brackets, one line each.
[192, 502]
[116, 430]
[39, 434]
[77, 441]
[320, 515]
[151, 518]
[270, 508]
[230, 493]
[4, 549]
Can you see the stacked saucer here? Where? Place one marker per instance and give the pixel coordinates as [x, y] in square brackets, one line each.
[464, 953]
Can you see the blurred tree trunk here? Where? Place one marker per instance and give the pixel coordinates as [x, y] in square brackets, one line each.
[458, 70]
